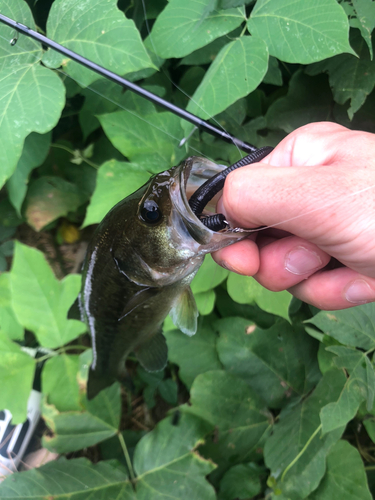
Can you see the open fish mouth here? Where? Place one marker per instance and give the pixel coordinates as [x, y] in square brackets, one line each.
[188, 177]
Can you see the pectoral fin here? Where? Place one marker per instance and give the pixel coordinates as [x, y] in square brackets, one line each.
[153, 354]
[184, 313]
[139, 298]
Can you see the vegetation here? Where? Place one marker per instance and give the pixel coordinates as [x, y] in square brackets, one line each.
[271, 398]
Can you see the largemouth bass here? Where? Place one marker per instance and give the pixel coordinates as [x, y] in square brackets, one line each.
[138, 268]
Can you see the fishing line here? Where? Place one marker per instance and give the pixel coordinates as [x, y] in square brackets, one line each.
[324, 206]
[103, 96]
[180, 89]
[18, 47]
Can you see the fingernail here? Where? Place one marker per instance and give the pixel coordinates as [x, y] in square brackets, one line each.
[229, 268]
[359, 292]
[300, 260]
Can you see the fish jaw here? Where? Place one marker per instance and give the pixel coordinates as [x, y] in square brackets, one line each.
[202, 240]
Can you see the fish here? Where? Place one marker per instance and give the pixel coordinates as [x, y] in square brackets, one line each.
[138, 268]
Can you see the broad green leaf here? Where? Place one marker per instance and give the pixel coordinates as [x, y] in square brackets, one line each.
[228, 307]
[345, 477]
[359, 386]
[350, 77]
[308, 100]
[8, 321]
[207, 54]
[353, 327]
[236, 71]
[209, 276]
[49, 198]
[98, 31]
[31, 99]
[76, 479]
[103, 97]
[298, 463]
[118, 178]
[168, 390]
[175, 470]
[185, 27]
[34, 152]
[16, 374]
[194, 355]
[365, 10]
[40, 301]
[152, 139]
[75, 430]
[245, 290]
[205, 302]
[26, 50]
[241, 481]
[239, 414]
[60, 384]
[300, 31]
[273, 75]
[277, 363]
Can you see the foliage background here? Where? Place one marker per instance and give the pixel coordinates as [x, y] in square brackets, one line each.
[271, 398]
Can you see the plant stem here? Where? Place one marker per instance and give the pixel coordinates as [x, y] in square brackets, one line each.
[301, 452]
[127, 457]
[68, 150]
[58, 351]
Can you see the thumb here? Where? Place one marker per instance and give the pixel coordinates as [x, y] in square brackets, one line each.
[315, 203]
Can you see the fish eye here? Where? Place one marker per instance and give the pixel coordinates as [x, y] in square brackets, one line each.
[150, 212]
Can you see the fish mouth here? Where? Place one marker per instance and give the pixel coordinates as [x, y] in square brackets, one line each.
[189, 176]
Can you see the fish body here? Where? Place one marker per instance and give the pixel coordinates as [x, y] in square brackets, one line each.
[138, 268]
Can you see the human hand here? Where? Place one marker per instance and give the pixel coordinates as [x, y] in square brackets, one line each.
[316, 194]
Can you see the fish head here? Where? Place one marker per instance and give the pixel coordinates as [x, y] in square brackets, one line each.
[159, 240]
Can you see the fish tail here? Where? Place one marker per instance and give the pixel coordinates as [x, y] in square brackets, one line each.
[98, 381]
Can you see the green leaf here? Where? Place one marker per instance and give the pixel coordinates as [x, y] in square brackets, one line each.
[241, 482]
[8, 321]
[60, 384]
[236, 71]
[277, 363]
[205, 302]
[273, 75]
[194, 355]
[151, 139]
[365, 10]
[16, 374]
[75, 430]
[245, 290]
[207, 54]
[350, 77]
[31, 99]
[345, 477]
[34, 153]
[359, 386]
[209, 276]
[299, 31]
[40, 301]
[168, 391]
[100, 33]
[298, 463]
[49, 198]
[308, 100]
[77, 479]
[184, 27]
[118, 178]
[353, 327]
[26, 50]
[237, 412]
[176, 470]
